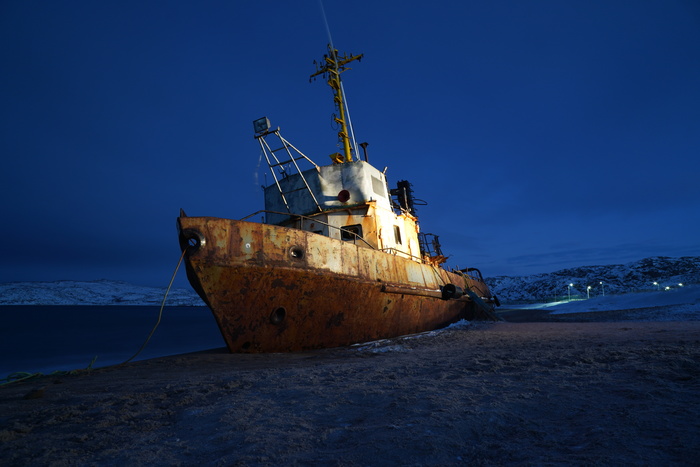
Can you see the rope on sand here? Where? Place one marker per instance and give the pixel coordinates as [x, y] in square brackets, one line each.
[18, 376]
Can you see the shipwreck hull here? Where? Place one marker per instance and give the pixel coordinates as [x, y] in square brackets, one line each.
[276, 289]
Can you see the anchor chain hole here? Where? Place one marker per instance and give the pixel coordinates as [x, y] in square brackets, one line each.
[195, 240]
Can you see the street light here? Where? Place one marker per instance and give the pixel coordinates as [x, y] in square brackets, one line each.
[658, 287]
[680, 284]
[602, 286]
[588, 291]
[570, 285]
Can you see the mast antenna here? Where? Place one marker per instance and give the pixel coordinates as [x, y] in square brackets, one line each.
[342, 88]
[325, 21]
[331, 67]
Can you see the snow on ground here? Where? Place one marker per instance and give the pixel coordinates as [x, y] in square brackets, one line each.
[678, 300]
[396, 344]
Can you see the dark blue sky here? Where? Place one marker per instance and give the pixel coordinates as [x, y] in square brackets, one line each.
[543, 134]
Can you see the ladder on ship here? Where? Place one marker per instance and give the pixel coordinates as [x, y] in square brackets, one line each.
[285, 167]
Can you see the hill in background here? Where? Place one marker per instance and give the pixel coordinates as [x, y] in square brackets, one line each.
[638, 276]
[100, 292]
[656, 273]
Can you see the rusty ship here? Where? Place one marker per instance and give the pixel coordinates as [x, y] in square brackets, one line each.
[337, 259]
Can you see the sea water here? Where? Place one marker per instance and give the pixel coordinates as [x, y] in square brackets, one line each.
[45, 339]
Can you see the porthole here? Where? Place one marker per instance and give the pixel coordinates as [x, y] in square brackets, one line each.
[278, 315]
[296, 252]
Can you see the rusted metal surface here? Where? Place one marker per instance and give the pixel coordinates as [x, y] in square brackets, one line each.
[275, 289]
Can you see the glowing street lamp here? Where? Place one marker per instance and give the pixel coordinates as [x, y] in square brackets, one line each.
[602, 286]
[658, 287]
[588, 291]
[680, 284]
[570, 285]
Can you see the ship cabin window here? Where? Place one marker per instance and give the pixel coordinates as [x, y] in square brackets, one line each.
[351, 232]
[397, 235]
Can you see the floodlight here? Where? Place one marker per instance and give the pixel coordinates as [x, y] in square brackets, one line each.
[261, 125]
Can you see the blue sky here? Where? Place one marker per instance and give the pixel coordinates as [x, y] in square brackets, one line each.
[542, 134]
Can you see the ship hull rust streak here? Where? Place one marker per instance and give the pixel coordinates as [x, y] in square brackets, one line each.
[277, 289]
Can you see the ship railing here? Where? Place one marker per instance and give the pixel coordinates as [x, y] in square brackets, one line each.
[299, 217]
[397, 252]
[472, 273]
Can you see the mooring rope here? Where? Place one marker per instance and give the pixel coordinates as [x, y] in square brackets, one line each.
[18, 376]
[160, 312]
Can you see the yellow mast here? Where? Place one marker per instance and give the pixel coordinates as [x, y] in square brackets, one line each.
[331, 67]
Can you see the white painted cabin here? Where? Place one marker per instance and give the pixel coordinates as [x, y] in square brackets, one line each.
[344, 201]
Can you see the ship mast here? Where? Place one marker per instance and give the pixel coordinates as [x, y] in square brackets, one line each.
[331, 67]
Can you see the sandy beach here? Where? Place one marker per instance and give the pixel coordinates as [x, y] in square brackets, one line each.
[517, 393]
